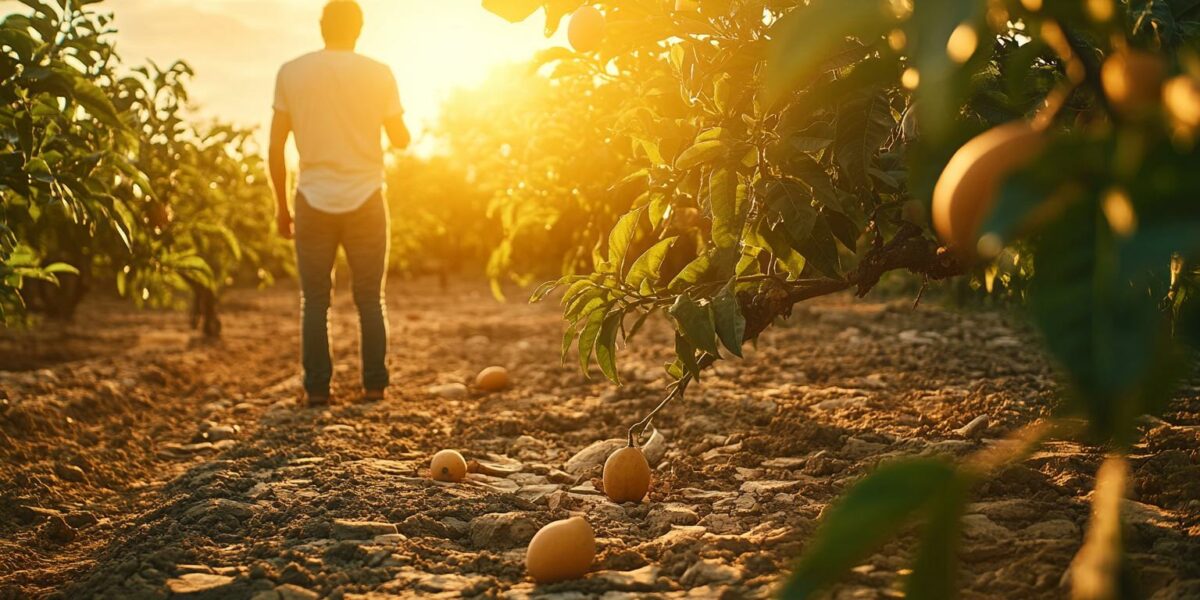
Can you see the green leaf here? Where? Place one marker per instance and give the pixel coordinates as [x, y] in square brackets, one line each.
[935, 570]
[587, 339]
[97, 103]
[821, 249]
[568, 339]
[729, 208]
[863, 125]
[862, 520]
[695, 322]
[727, 316]
[701, 153]
[606, 346]
[649, 264]
[804, 39]
[59, 268]
[620, 237]
[794, 206]
[685, 354]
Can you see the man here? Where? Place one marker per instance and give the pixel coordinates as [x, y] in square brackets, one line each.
[336, 102]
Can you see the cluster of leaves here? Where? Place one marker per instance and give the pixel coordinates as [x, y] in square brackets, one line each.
[437, 226]
[798, 142]
[104, 178]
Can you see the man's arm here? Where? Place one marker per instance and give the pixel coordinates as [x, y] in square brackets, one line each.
[397, 132]
[281, 128]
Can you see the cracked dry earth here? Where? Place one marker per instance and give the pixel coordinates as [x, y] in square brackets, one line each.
[136, 462]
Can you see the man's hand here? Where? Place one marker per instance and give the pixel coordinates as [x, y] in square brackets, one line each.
[283, 221]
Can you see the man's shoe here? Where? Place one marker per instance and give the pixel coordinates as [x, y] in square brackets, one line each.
[317, 400]
[373, 395]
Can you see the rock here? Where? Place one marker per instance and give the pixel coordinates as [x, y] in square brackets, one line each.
[338, 428]
[294, 573]
[770, 488]
[656, 448]
[502, 530]
[980, 527]
[975, 428]
[839, 403]
[709, 571]
[856, 448]
[58, 531]
[593, 456]
[266, 595]
[1054, 529]
[450, 391]
[221, 432]
[291, 591]
[663, 516]
[639, 580]
[721, 523]
[344, 529]
[785, 462]
[537, 493]
[199, 583]
[70, 473]
[219, 507]
[81, 519]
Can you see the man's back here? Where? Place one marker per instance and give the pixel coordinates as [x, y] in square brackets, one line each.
[338, 102]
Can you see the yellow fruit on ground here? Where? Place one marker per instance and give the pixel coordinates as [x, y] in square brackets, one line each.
[1181, 95]
[561, 550]
[586, 30]
[1133, 81]
[626, 475]
[492, 379]
[448, 465]
[966, 191]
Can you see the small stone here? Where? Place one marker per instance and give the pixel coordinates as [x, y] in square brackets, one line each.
[291, 591]
[593, 456]
[81, 519]
[198, 583]
[1054, 529]
[980, 527]
[57, 530]
[502, 530]
[655, 448]
[70, 473]
[344, 529]
[450, 391]
[709, 571]
[839, 403]
[663, 516]
[221, 432]
[770, 488]
[266, 595]
[785, 462]
[975, 428]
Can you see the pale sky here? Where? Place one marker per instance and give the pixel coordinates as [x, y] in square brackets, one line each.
[236, 46]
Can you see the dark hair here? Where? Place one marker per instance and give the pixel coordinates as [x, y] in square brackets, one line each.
[342, 21]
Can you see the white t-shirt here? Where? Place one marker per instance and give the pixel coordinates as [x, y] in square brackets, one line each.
[338, 101]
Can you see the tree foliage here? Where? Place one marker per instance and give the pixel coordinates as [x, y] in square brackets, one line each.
[798, 142]
[103, 177]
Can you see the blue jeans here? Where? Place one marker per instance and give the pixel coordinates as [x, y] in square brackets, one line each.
[363, 233]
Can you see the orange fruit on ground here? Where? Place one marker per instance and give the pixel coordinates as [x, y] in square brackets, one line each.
[1133, 81]
[492, 379]
[586, 29]
[561, 550]
[1181, 95]
[627, 475]
[448, 465]
[966, 191]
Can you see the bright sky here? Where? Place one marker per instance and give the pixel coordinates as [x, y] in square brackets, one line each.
[236, 46]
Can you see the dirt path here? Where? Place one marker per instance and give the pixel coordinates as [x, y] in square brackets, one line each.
[135, 462]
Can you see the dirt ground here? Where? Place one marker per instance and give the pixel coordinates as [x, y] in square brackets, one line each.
[136, 462]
